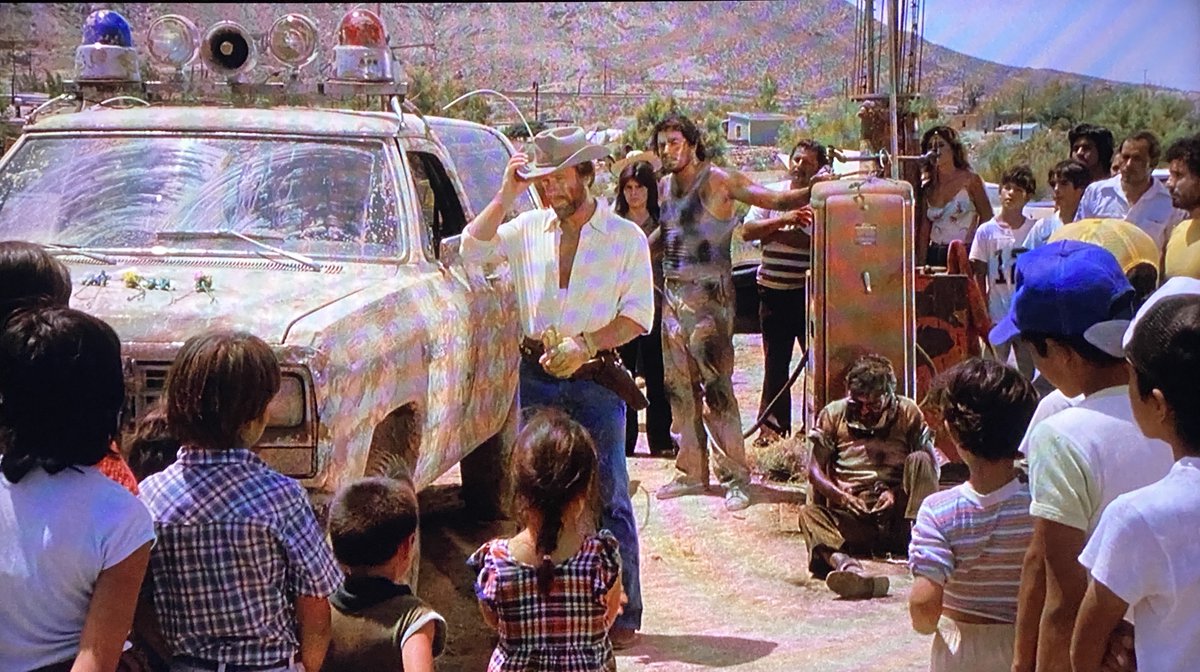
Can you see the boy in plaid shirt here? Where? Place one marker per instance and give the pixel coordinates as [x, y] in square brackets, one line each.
[241, 572]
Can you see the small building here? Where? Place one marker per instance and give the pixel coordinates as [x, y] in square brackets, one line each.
[1020, 130]
[754, 128]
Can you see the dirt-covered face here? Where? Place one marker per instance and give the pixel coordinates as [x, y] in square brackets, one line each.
[675, 151]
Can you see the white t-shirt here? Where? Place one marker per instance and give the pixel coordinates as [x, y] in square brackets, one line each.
[999, 246]
[57, 533]
[1049, 405]
[1040, 233]
[1084, 457]
[1147, 552]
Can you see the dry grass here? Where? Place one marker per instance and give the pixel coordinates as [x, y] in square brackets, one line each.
[782, 461]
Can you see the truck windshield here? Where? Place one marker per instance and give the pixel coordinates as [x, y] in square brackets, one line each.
[313, 197]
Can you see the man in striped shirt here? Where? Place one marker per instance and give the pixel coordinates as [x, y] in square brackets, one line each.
[786, 258]
[969, 542]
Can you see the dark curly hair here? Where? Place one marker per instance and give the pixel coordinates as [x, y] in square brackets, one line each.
[1099, 136]
[871, 374]
[987, 405]
[686, 127]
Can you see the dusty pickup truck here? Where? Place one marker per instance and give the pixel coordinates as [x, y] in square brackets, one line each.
[328, 233]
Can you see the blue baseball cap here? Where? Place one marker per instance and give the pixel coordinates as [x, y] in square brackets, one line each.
[1069, 288]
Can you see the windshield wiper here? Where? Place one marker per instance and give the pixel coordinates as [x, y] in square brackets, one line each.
[194, 235]
[75, 249]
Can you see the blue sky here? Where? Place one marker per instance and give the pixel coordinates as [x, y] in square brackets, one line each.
[1123, 40]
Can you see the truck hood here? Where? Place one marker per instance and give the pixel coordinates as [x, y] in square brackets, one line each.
[264, 301]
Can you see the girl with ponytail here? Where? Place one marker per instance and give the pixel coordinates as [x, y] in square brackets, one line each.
[552, 590]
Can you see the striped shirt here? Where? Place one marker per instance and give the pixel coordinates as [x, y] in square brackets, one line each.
[973, 546]
[237, 543]
[783, 266]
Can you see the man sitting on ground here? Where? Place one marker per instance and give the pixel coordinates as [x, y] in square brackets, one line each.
[873, 463]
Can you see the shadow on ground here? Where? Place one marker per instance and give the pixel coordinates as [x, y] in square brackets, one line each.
[706, 650]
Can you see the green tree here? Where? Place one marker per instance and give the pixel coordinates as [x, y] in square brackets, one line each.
[765, 100]
[834, 122]
[998, 152]
[430, 92]
[707, 119]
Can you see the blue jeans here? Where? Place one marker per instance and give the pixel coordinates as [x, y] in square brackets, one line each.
[602, 413]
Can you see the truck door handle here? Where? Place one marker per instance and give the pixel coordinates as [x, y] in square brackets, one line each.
[866, 278]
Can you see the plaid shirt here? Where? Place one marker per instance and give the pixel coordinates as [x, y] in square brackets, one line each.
[563, 631]
[237, 543]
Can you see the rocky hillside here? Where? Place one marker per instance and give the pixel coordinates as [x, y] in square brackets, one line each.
[714, 49]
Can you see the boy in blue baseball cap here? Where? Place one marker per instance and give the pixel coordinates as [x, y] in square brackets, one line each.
[1071, 306]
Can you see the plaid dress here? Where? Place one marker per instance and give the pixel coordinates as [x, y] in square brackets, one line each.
[563, 631]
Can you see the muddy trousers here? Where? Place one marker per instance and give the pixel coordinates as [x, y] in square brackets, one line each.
[602, 414]
[835, 529]
[697, 336]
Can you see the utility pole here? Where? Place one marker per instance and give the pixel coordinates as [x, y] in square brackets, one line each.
[1083, 102]
[536, 117]
[1021, 127]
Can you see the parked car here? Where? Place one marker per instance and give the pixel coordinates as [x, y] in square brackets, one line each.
[329, 233]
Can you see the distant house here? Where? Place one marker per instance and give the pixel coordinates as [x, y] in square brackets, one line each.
[1020, 130]
[754, 128]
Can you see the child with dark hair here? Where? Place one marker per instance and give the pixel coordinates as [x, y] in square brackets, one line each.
[151, 447]
[969, 542]
[1145, 555]
[1071, 306]
[553, 590]
[1068, 180]
[73, 544]
[378, 624]
[241, 572]
[28, 273]
[994, 252]
[30, 276]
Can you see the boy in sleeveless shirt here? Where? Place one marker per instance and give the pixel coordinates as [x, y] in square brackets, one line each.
[377, 622]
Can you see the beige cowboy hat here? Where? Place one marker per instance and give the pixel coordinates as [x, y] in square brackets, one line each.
[635, 156]
[558, 148]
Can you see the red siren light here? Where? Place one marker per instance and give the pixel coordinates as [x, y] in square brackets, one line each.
[362, 28]
[362, 54]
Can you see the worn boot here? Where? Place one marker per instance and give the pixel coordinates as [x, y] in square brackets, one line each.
[849, 579]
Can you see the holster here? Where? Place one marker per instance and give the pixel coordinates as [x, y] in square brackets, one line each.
[605, 369]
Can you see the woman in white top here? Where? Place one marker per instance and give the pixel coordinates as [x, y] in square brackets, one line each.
[73, 544]
[954, 199]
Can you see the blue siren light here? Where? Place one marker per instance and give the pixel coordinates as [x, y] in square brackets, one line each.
[106, 53]
[107, 27]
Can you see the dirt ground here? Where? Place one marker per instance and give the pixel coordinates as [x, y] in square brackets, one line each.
[722, 590]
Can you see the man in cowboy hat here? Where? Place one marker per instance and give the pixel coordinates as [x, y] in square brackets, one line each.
[583, 286]
[697, 203]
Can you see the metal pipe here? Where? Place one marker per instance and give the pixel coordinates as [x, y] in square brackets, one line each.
[892, 83]
[494, 93]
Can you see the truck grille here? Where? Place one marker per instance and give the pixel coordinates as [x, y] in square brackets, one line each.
[144, 385]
